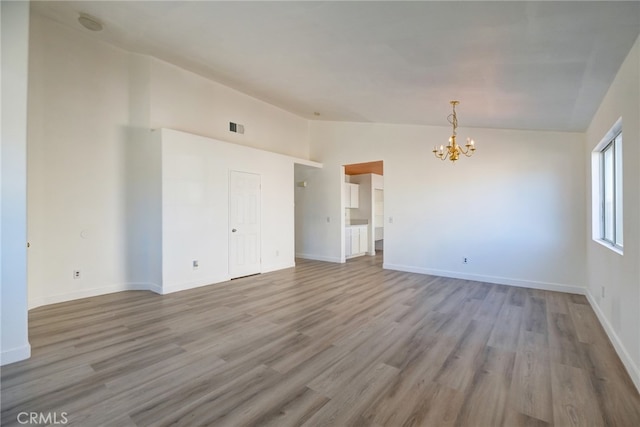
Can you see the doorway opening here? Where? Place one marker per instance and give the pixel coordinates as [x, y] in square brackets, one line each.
[363, 205]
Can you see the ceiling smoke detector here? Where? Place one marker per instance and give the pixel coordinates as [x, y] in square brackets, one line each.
[90, 22]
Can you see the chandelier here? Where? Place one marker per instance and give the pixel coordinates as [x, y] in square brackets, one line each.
[453, 150]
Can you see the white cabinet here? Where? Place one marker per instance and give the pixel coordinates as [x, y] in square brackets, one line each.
[356, 241]
[351, 195]
[364, 239]
[347, 242]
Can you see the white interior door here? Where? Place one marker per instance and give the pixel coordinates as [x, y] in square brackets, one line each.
[244, 224]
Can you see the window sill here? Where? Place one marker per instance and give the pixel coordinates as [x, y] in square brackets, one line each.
[608, 245]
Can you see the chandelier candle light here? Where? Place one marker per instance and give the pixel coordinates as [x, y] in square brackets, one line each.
[453, 150]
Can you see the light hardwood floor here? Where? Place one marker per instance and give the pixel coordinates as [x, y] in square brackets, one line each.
[324, 344]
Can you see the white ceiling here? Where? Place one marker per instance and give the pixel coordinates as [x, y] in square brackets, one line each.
[515, 64]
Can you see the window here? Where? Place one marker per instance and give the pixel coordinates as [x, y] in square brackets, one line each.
[607, 189]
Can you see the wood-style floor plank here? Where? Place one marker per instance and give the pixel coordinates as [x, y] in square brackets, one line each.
[324, 344]
[574, 398]
[531, 385]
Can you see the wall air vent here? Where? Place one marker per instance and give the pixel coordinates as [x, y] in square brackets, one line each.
[234, 127]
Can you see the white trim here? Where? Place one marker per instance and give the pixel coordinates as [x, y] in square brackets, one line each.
[267, 268]
[546, 286]
[139, 286]
[24, 352]
[15, 354]
[154, 287]
[615, 248]
[183, 286]
[319, 258]
[356, 255]
[609, 136]
[305, 162]
[597, 232]
[87, 293]
[632, 369]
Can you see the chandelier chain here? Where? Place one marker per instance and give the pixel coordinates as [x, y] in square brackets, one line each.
[453, 119]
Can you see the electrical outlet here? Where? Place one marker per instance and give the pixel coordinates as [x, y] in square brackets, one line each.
[603, 292]
[76, 274]
[277, 253]
[195, 264]
[465, 260]
[390, 220]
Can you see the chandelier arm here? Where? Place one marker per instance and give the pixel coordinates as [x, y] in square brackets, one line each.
[470, 149]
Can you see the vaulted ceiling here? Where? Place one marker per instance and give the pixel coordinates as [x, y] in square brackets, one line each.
[514, 64]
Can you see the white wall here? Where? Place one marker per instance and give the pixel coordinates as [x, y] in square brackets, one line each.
[195, 207]
[309, 219]
[619, 311]
[319, 217]
[78, 134]
[188, 102]
[91, 106]
[144, 183]
[510, 209]
[14, 17]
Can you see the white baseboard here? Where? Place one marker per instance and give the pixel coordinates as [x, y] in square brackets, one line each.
[319, 258]
[154, 287]
[24, 352]
[545, 286]
[632, 369]
[139, 286]
[176, 287]
[275, 267]
[86, 293]
[15, 354]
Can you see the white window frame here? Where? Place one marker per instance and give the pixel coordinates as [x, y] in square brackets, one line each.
[602, 214]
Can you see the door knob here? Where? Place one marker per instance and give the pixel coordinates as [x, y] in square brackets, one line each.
[233, 230]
